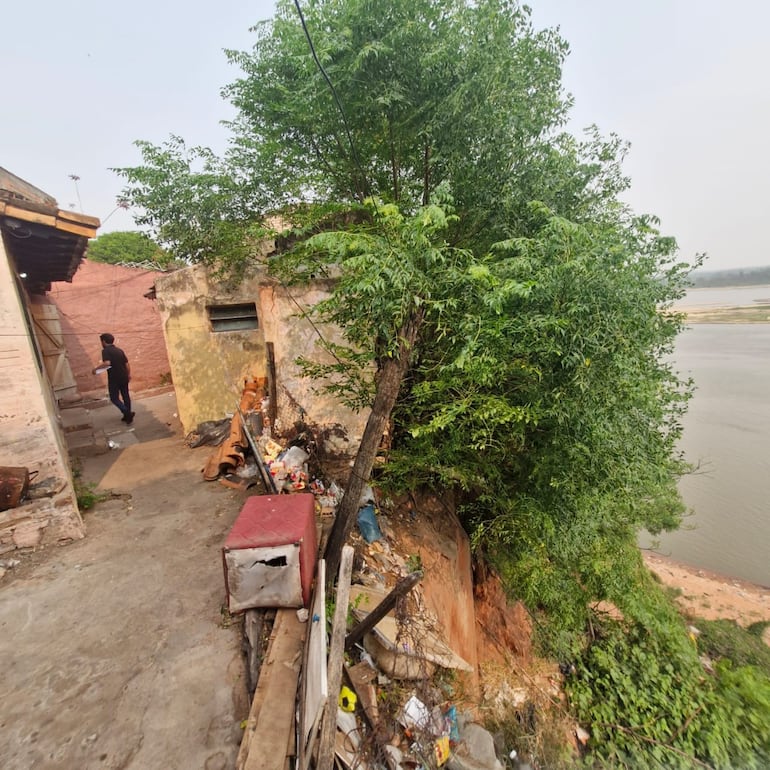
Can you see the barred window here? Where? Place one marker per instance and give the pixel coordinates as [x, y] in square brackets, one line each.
[228, 318]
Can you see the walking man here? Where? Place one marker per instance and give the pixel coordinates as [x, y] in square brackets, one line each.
[118, 376]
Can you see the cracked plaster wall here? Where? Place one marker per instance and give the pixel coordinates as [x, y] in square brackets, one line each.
[31, 435]
[208, 368]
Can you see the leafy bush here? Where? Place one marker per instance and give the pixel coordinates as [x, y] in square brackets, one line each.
[648, 702]
[726, 639]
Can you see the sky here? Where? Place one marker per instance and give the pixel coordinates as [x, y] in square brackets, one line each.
[684, 81]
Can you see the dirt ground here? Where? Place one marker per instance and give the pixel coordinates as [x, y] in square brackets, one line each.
[709, 595]
[116, 653]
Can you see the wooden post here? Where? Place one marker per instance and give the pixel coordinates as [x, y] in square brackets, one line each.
[272, 408]
[336, 656]
[403, 587]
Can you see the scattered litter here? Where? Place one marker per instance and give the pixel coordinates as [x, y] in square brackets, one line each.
[441, 750]
[415, 714]
[450, 715]
[367, 496]
[211, 433]
[248, 470]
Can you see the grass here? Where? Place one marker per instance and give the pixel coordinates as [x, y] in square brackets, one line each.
[85, 492]
[726, 639]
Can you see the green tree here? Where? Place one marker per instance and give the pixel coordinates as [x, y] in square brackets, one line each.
[437, 98]
[127, 246]
[394, 274]
[191, 202]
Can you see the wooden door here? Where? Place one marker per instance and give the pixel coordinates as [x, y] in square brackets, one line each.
[45, 318]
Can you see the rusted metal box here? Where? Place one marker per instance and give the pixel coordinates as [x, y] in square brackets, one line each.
[270, 554]
[14, 485]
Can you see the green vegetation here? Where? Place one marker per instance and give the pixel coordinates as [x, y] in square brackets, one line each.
[742, 647]
[515, 311]
[85, 492]
[647, 700]
[129, 247]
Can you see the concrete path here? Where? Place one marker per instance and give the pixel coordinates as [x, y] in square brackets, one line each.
[115, 651]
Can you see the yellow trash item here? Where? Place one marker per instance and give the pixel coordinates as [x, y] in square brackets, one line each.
[347, 699]
[441, 750]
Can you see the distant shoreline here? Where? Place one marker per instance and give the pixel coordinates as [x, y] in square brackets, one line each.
[711, 595]
[728, 304]
[740, 314]
[730, 286]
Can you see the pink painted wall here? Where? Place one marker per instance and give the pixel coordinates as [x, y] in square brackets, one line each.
[109, 298]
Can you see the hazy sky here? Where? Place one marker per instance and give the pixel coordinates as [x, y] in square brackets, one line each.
[685, 81]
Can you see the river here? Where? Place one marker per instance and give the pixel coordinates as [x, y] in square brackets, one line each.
[727, 435]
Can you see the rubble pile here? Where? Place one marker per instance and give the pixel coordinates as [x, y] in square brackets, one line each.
[402, 704]
[400, 700]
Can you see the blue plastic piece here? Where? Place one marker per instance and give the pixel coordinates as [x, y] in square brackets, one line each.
[367, 524]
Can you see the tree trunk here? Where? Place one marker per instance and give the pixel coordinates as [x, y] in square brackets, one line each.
[388, 386]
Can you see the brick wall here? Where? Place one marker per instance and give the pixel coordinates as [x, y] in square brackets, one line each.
[110, 298]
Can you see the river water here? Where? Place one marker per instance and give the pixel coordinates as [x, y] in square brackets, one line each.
[727, 434]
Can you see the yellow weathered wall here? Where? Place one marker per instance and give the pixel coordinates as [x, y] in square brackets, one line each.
[208, 368]
[30, 434]
[294, 336]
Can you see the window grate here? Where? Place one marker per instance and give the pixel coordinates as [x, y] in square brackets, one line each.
[229, 318]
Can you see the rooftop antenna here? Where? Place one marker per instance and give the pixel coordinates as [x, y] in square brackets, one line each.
[75, 178]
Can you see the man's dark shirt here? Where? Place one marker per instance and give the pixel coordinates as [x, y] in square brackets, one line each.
[118, 373]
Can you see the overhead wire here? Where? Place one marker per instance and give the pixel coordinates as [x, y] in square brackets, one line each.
[354, 152]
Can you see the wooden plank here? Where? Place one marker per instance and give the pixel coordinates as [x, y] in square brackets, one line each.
[336, 657]
[272, 406]
[71, 227]
[362, 677]
[29, 216]
[401, 588]
[272, 710]
[314, 684]
[74, 216]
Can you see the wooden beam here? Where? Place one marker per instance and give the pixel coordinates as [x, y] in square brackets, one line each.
[401, 588]
[83, 219]
[272, 711]
[72, 227]
[272, 404]
[39, 218]
[78, 224]
[314, 689]
[336, 657]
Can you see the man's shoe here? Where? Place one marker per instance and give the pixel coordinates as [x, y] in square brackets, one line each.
[124, 418]
[129, 418]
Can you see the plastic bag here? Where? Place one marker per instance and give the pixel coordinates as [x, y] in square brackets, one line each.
[367, 524]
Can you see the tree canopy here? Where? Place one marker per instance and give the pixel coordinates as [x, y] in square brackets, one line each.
[536, 382]
[126, 247]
